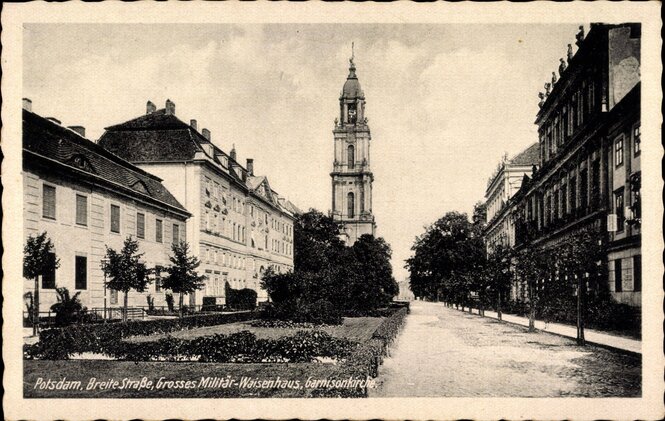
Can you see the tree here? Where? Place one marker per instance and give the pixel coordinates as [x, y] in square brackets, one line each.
[579, 258]
[376, 286]
[450, 245]
[125, 271]
[182, 277]
[67, 309]
[532, 266]
[499, 274]
[328, 276]
[38, 259]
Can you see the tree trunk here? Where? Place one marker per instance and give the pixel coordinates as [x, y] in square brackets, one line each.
[580, 308]
[124, 305]
[181, 309]
[532, 310]
[498, 305]
[35, 308]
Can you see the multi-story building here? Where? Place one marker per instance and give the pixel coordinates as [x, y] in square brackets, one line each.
[240, 226]
[351, 175]
[589, 137]
[501, 187]
[87, 199]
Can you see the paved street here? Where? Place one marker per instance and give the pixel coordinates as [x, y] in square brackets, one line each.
[445, 352]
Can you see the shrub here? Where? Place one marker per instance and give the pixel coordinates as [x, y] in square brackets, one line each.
[169, 301]
[68, 309]
[240, 299]
[320, 312]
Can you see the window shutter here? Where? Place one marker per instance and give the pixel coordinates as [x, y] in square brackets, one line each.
[81, 210]
[140, 225]
[49, 202]
[115, 218]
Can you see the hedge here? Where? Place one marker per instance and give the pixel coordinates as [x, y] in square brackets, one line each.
[60, 343]
[240, 299]
[365, 360]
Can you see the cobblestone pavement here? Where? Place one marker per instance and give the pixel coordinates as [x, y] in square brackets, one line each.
[445, 352]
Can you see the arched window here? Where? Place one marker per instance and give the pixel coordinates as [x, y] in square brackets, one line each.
[350, 203]
[350, 157]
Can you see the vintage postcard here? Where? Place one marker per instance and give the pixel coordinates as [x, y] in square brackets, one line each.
[404, 211]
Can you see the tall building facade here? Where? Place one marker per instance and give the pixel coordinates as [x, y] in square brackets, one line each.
[87, 199]
[240, 226]
[589, 177]
[501, 187]
[351, 175]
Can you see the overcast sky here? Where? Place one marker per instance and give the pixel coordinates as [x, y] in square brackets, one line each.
[444, 102]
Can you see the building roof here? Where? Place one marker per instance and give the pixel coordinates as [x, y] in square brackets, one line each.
[528, 156]
[351, 89]
[51, 141]
[157, 136]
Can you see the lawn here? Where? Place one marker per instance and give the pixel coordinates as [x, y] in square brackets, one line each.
[357, 329]
[130, 375]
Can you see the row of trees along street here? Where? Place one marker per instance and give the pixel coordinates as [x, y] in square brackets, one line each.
[124, 271]
[560, 283]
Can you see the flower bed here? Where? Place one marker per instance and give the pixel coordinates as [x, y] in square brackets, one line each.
[59, 343]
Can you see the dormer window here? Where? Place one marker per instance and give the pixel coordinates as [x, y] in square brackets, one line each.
[141, 187]
[81, 162]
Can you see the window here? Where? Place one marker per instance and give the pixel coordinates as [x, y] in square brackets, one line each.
[115, 218]
[176, 233]
[48, 277]
[114, 296]
[350, 157]
[48, 204]
[584, 178]
[618, 287]
[350, 203]
[564, 200]
[140, 225]
[637, 273]
[158, 282]
[618, 152]
[573, 193]
[636, 140]
[618, 209]
[81, 272]
[81, 210]
[158, 230]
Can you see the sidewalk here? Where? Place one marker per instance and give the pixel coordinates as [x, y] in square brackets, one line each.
[592, 336]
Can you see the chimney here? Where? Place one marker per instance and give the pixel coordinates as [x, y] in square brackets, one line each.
[170, 107]
[150, 107]
[206, 134]
[54, 120]
[250, 166]
[192, 123]
[27, 104]
[78, 129]
[233, 152]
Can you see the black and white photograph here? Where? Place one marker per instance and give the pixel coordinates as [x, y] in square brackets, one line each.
[276, 217]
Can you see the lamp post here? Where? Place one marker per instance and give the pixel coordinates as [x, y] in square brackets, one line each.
[103, 264]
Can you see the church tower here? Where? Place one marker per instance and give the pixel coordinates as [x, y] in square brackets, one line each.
[351, 175]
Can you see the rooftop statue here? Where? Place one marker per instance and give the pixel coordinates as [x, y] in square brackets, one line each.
[562, 66]
[570, 52]
[547, 88]
[553, 78]
[542, 99]
[580, 36]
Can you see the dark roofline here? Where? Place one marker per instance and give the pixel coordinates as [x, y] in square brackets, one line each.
[94, 147]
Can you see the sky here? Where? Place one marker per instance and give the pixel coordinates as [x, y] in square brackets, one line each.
[444, 102]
